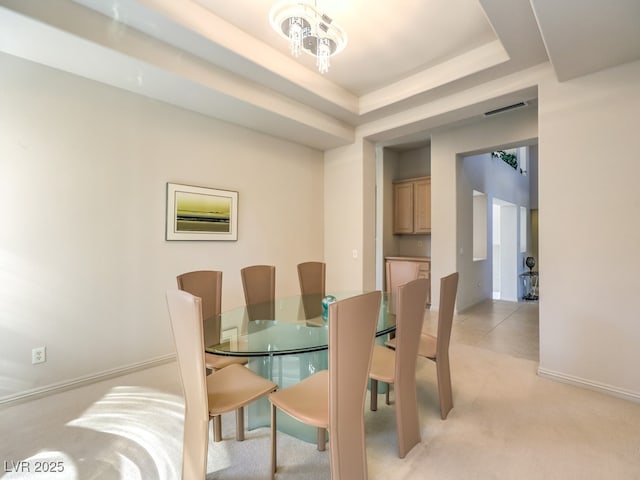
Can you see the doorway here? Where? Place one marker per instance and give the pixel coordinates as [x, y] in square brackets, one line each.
[505, 250]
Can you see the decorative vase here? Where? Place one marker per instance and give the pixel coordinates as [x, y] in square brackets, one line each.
[325, 306]
[530, 262]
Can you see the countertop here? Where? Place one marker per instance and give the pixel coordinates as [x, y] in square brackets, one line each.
[410, 259]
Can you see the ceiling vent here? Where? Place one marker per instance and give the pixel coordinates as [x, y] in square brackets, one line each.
[505, 109]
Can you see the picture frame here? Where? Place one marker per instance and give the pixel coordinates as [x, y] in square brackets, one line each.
[201, 213]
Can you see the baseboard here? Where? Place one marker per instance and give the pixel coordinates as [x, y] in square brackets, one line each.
[81, 381]
[591, 385]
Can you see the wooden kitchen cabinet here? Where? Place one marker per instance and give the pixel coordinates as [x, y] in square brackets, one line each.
[412, 206]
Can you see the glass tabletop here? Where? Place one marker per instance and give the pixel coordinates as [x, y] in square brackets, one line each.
[287, 326]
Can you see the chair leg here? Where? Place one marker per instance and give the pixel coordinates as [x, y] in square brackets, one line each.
[374, 395]
[274, 466]
[240, 424]
[322, 439]
[445, 392]
[194, 451]
[217, 428]
[387, 394]
[407, 416]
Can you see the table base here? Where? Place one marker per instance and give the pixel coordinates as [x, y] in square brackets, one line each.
[285, 370]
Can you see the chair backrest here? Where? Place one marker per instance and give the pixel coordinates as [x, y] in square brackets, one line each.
[185, 312]
[399, 273]
[352, 328]
[409, 319]
[448, 290]
[259, 284]
[312, 287]
[206, 284]
[312, 278]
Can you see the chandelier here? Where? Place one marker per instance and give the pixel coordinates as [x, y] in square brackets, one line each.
[308, 30]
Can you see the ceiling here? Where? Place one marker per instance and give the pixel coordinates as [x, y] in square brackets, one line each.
[222, 59]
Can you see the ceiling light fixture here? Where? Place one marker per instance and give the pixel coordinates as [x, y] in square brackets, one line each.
[308, 30]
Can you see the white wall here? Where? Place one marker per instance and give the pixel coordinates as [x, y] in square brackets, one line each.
[589, 229]
[509, 252]
[451, 214]
[588, 236]
[83, 260]
[498, 180]
[588, 202]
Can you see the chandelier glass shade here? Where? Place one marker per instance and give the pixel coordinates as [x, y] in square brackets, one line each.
[308, 30]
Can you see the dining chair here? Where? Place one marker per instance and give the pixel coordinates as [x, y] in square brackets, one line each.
[398, 367]
[333, 399]
[259, 285]
[206, 397]
[398, 273]
[207, 284]
[436, 348]
[311, 276]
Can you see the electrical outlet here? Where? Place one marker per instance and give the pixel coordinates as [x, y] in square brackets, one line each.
[38, 355]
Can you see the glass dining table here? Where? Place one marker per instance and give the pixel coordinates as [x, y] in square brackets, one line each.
[284, 341]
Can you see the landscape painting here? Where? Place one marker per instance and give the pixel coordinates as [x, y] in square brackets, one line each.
[201, 213]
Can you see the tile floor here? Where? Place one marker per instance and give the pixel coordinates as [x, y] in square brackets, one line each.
[504, 327]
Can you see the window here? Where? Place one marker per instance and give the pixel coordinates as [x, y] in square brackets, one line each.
[523, 157]
[479, 225]
[523, 229]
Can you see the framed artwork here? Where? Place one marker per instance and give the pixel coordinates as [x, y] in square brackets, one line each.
[201, 213]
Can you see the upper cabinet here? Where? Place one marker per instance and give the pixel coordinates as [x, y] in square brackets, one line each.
[412, 206]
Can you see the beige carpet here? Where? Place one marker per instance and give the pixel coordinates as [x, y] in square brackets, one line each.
[507, 423]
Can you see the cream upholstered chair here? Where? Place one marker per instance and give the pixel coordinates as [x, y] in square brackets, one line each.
[225, 390]
[436, 348]
[399, 273]
[334, 399]
[207, 284]
[312, 287]
[259, 285]
[398, 367]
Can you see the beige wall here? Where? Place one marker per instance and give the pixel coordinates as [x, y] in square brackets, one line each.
[350, 216]
[343, 235]
[589, 229]
[411, 164]
[390, 242]
[84, 264]
[83, 260]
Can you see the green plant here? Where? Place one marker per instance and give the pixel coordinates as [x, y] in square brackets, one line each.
[508, 158]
